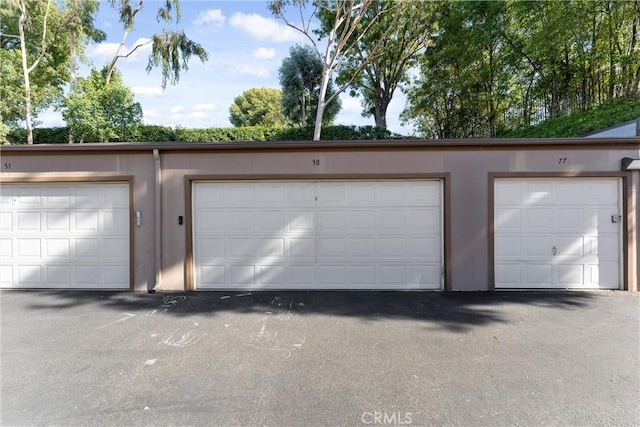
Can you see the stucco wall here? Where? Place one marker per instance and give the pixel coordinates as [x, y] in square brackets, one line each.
[466, 170]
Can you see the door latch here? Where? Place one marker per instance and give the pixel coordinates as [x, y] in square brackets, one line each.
[554, 250]
[616, 218]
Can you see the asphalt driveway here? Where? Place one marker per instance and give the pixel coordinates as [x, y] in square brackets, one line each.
[320, 358]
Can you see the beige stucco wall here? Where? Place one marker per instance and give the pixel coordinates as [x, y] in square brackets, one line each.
[55, 167]
[467, 171]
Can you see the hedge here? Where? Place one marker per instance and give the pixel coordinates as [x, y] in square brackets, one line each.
[152, 133]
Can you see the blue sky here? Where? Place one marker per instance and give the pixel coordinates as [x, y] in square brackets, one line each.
[246, 46]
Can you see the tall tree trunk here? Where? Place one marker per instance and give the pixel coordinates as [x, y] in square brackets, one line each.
[72, 69]
[380, 112]
[321, 103]
[25, 72]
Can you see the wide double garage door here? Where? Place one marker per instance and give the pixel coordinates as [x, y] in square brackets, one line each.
[317, 235]
[65, 235]
[558, 233]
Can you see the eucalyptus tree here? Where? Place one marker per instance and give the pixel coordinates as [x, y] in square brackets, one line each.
[383, 56]
[346, 27]
[170, 50]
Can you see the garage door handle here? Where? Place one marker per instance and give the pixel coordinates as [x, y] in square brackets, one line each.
[554, 250]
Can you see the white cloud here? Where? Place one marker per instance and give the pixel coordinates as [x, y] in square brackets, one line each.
[106, 51]
[148, 114]
[253, 70]
[177, 109]
[214, 17]
[198, 115]
[264, 28]
[264, 53]
[204, 107]
[147, 90]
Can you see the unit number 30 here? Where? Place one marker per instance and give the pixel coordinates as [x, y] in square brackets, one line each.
[316, 162]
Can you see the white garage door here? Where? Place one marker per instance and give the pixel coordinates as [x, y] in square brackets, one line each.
[558, 233]
[64, 235]
[317, 235]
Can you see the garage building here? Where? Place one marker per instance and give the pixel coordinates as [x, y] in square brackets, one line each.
[376, 215]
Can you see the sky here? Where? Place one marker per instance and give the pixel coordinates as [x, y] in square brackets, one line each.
[246, 46]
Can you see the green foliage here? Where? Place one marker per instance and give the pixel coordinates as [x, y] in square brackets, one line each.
[257, 107]
[300, 79]
[170, 51]
[59, 135]
[397, 31]
[152, 133]
[49, 76]
[495, 66]
[96, 112]
[609, 114]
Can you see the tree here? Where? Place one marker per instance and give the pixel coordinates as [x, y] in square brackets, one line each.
[257, 107]
[404, 33]
[35, 54]
[97, 112]
[171, 50]
[345, 30]
[300, 79]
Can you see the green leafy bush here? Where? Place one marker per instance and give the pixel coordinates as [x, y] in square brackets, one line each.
[153, 133]
[610, 113]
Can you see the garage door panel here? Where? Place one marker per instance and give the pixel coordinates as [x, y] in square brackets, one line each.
[508, 246]
[362, 221]
[536, 246]
[272, 221]
[331, 222]
[29, 275]
[6, 248]
[356, 235]
[211, 276]
[602, 193]
[566, 234]
[240, 221]
[64, 235]
[28, 248]
[6, 276]
[391, 248]
[362, 248]
[538, 274]
[424, 221]
[57, 248]
[508, 219]
[58, 275]
[57, 221]
[569, 247]
[301, 222]
[537, 218]
[6, 221]
[302, 248]
[570, 275]
[425, 248]
[115, 248]
[331, 248]
[508, 274]
[273, 248]
[29, 222]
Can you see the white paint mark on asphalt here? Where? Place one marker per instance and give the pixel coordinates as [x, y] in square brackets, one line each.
[168, 302]
[243, 295]
[181, 341]
[225, 297]
[127, 317]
